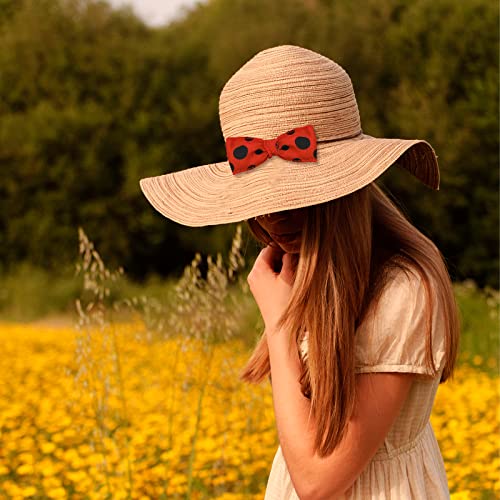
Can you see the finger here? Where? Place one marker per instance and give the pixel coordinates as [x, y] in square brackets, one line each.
[269, 255]
[287, 271]
[263, 259]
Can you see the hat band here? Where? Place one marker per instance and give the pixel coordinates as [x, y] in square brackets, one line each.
[352, 136]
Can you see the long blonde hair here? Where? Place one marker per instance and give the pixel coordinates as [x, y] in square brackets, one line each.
[343, 250]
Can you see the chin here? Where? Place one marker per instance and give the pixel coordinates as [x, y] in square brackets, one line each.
[287, 248]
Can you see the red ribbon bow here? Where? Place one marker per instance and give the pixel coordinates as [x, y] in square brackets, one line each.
[245, 153]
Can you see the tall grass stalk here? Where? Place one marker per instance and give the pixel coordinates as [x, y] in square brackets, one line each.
[200, 313]
[96, 343]
[206, 312]
[199, 413]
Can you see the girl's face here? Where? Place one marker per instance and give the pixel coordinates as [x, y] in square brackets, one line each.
[284, 228]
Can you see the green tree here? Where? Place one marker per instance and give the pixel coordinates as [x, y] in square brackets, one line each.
[92, 99]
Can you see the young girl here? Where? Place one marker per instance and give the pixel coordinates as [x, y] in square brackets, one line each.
[367, 357]
[361, 324]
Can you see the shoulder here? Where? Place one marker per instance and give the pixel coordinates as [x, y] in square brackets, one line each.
[393, 335]
[403, 292]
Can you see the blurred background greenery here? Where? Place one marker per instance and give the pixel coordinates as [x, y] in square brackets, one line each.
[92, 99]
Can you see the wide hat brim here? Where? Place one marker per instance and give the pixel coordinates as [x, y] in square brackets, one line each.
[211, 194]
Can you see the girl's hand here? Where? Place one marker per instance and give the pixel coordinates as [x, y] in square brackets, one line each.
[271, 289]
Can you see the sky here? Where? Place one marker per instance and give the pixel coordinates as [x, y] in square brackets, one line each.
[156, 12]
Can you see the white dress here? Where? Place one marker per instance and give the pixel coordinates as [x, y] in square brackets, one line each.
[409, 464]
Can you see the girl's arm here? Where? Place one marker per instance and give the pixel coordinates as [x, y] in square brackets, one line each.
[379, 398]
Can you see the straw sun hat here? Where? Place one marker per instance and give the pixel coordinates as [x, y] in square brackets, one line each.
[293, 138]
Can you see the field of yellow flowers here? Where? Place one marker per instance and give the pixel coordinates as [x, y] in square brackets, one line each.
[153, 408]
[147, 419]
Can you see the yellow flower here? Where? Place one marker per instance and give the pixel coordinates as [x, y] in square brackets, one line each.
[25, 469]
[26, 457]
[47, 447]
[95, 459]
[57, 493]
[48, 470]
[477, 360]
[28, 491]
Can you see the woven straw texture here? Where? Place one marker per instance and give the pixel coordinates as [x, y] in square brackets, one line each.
[279, 89]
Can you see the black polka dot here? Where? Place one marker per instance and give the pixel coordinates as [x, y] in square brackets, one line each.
[258, 151]
[315, 153]
[248, 138]
[302, 142]
[297, 159]
[291, 132]
[232, 166]
[251, 166]
[240, 152]
[285, 147]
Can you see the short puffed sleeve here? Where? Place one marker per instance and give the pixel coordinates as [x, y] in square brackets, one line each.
[392, 337]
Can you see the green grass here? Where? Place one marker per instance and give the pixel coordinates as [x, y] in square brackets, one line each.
[29, 293]
[479, 317]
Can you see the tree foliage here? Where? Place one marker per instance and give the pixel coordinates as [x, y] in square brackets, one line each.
[92, 99]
